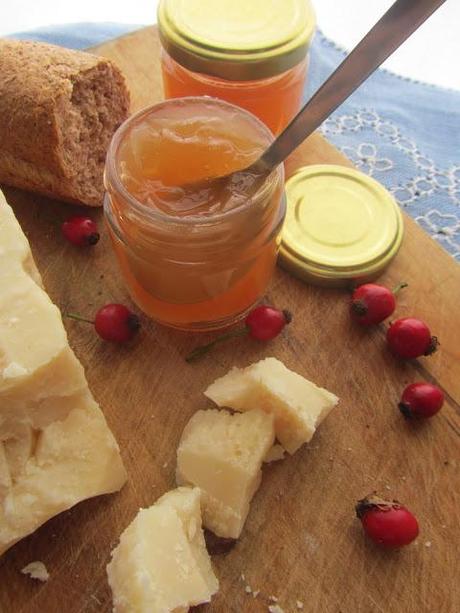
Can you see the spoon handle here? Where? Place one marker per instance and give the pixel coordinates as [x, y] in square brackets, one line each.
[397, 24]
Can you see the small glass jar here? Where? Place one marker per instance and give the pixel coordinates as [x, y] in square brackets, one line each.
[201, 270]
[252, 54]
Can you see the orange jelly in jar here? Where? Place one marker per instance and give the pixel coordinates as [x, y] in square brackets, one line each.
[191, 258]
[253, 54]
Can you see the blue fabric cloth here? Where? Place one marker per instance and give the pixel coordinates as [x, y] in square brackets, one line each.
[404, 133]
[78, 35]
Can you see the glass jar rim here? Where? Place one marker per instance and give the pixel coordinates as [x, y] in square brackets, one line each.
[112, 177]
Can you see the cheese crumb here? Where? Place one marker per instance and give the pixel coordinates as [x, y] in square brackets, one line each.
[273, 598]
[255, 594]
[243, 578]
[299, 604]
[248, 589]
[275, 608]
[36, 570]
[14, 370]
[428, 544]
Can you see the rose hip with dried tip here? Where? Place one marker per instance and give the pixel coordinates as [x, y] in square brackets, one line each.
[116, 323]
[387, 522]
[80, 231]
[411, 338]
[372, 303]
[263, 323]
[421, 400]
[113, 322]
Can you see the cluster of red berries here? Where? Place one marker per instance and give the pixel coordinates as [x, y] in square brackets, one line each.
[388, 523]
[407, 338]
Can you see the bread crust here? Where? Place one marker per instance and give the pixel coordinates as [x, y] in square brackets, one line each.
[58, 111]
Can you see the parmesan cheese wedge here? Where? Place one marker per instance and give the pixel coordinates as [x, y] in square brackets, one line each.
[40, 377]
[298, 405]
[55, 446]
[222, 454]
[161, 564]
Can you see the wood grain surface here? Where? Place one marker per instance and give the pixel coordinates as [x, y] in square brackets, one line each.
[301, 540]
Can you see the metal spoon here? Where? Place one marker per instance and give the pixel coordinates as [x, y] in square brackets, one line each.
[397, 24]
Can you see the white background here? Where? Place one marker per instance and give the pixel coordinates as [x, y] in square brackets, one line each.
[432, 54]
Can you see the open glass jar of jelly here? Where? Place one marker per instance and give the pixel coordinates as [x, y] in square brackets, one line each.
[190, 258]
[251, 53]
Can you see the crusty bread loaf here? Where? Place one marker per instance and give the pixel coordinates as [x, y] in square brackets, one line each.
[58, 111]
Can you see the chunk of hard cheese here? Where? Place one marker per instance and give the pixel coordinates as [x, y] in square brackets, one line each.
[297, 404]
[38, 371]
[74, 459]
[222, 454]
[161, 564]
[55, 446]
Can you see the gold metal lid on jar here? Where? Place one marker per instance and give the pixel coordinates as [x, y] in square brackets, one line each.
[237, 40]
[341, 226]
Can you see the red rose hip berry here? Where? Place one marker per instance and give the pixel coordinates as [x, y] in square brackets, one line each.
[386, 522]
[113, 322]
[422, 400]
[411, 338]
[80, 231]
[116, 323]
[266, 322]
[262, 323]
[372, 303]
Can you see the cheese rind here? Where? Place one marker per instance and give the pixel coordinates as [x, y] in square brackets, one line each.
[222, 454]
[298, 405]
[161, 564]
[55, 446]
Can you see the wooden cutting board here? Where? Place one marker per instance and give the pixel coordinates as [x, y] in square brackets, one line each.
[301, 540]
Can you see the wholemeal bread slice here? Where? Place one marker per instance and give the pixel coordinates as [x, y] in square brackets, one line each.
[58, 111]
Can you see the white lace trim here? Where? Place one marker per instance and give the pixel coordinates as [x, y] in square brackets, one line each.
[427, 180]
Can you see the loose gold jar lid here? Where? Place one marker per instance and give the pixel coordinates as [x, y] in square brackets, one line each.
[237, 40]
[341, 226]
